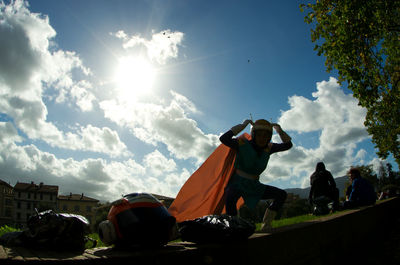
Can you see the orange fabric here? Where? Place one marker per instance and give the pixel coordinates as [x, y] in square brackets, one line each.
[203, 193]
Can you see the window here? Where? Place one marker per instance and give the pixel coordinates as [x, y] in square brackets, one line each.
[65, 207]
[29, 195]
[28, 206]
[18, 205]
[34, 195]
[18, 216]
[8, 202]
[88, 208]
[51, 197]
[19, 194]
[7, 212]
[41, 196]
[77, 208]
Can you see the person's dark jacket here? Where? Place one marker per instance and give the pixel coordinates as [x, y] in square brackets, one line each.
[322, 183]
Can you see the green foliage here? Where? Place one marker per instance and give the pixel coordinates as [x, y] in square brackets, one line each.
[96, 237]
[367, 172]
[7, 229]
[361, 39]
[101, 214]
[296, 208]
[290, 209]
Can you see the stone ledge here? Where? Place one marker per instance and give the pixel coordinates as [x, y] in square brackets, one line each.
[313, 242]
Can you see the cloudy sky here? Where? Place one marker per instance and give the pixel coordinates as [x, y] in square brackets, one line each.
[112, 97]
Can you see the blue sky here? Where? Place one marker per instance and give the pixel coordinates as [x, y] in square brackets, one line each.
[112, 97]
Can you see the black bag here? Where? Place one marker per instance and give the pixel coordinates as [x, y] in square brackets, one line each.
[51, 231]
[322, 205]
[216, 229]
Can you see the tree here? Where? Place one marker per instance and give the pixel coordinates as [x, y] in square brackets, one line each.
[361, 40]
[367, 172]
[387, 177]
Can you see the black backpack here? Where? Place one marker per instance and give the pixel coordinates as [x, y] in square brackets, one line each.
[216, 229]
[52, 230]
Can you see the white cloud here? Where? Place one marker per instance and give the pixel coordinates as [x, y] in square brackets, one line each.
[158, 164]
[162, 46]
[339, 120]
[8, 133]
[167, 124]
[94, 177]
[90, 138]
[30, 69]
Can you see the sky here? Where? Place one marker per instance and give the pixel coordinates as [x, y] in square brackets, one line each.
[107, 98]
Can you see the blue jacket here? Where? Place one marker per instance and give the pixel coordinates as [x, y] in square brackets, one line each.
[362, 192]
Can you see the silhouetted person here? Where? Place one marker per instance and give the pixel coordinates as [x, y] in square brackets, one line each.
[323, 185]
[362, 193]
[252, 157]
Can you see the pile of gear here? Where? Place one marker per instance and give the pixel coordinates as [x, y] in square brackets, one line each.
[140, 219]
[51, 230]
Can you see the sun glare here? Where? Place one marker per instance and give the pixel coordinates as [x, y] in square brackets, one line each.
[134, 76]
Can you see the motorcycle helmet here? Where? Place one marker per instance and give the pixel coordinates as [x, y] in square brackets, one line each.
[137, 219]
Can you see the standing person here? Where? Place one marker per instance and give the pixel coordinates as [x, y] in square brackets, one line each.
[251, 160]
[323, 184]
[362, 193]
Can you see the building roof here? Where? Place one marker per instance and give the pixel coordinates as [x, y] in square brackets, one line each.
[162, 197]
[76, 197]
[33, 187]
[3, 183]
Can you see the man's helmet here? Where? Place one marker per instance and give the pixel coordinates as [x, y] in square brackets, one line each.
[137, 219]
[261, 125]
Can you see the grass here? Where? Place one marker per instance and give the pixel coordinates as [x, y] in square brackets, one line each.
[96, 237]
[7, 229]
[296, 220]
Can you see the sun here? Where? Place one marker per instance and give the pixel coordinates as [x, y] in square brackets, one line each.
[134, 76]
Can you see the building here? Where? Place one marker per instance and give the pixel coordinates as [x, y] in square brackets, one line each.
[29, 197]
[167, 201]
[6, 203]
[78, 204]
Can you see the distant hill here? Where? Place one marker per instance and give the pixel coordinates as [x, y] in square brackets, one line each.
[303, 193]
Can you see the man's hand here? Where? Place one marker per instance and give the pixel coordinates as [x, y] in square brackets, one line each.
[240, 127]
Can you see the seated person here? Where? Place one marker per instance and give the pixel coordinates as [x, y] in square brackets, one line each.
[323, 186]
[362, 193]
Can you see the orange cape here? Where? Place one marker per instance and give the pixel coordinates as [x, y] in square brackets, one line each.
[203, 193]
